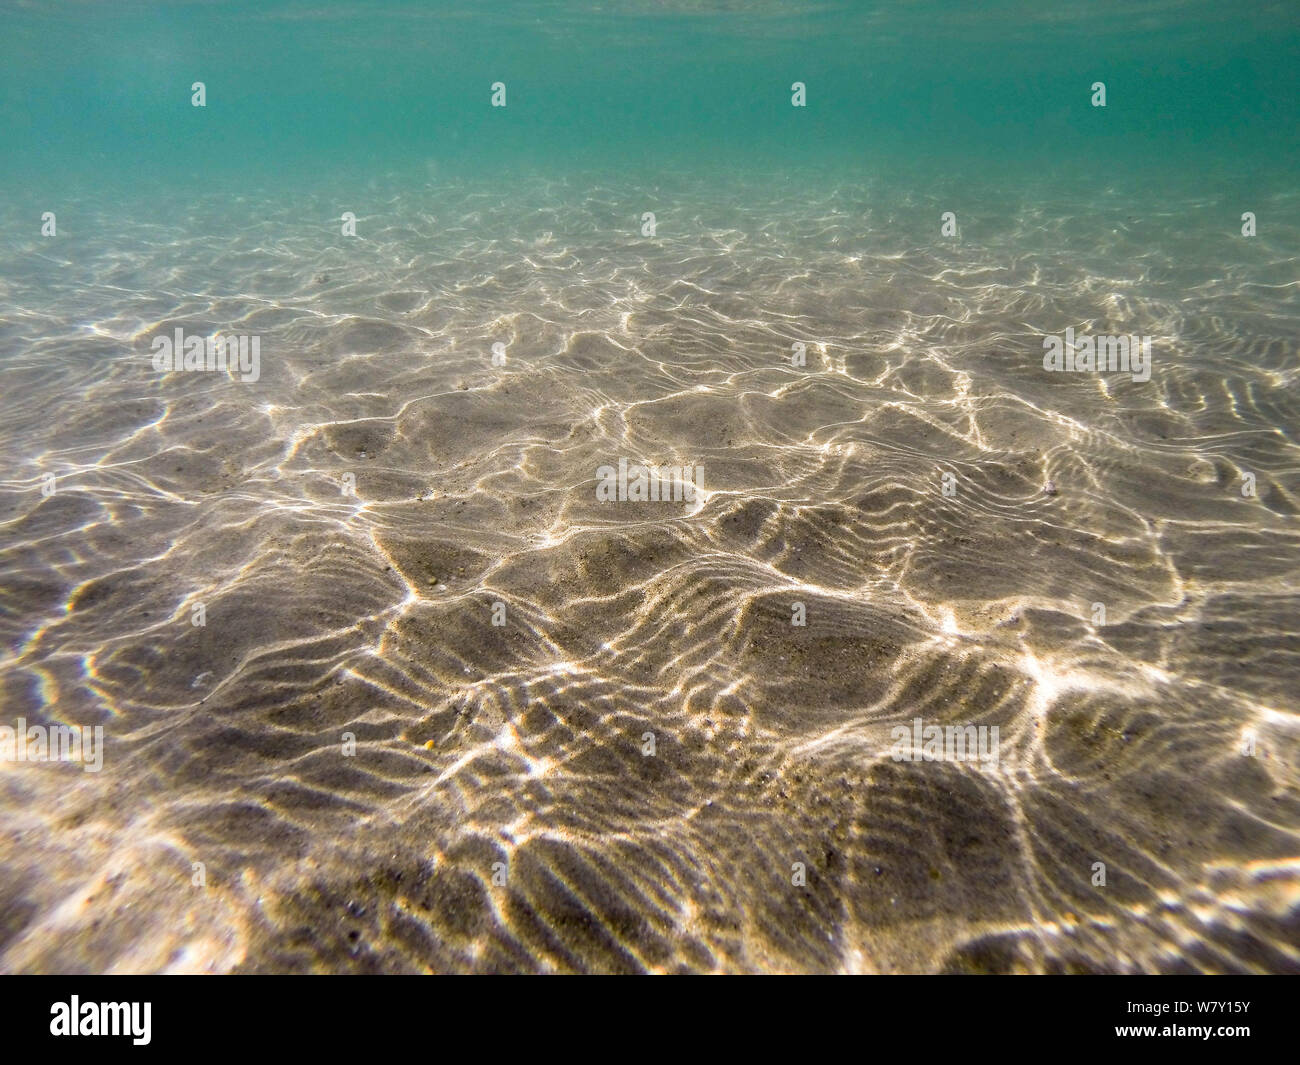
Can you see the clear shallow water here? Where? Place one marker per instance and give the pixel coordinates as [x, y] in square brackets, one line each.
[522, 744]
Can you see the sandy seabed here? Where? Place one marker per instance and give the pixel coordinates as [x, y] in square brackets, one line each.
[352, 522]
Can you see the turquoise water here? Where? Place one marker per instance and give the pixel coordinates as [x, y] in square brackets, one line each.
[931, 88]
[386, 683]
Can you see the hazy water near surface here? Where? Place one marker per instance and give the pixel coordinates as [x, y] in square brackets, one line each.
[517, 751]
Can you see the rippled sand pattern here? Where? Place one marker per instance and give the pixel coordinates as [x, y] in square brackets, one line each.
[522, 744]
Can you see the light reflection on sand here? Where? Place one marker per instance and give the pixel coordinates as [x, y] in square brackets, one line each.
[521, 744]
